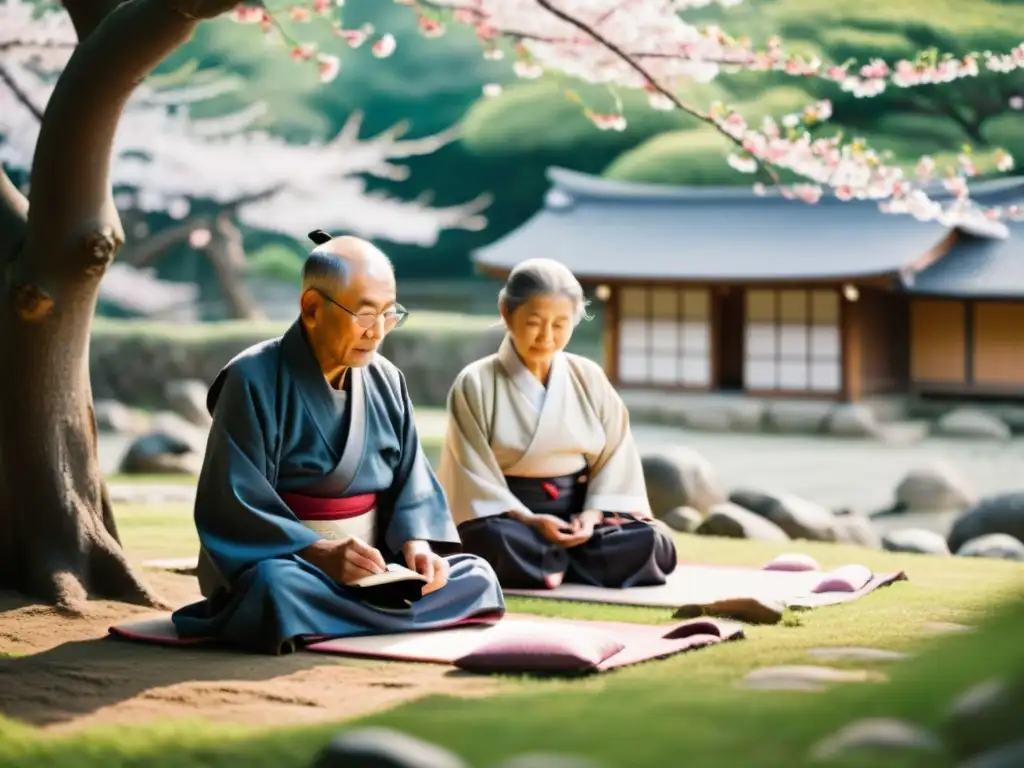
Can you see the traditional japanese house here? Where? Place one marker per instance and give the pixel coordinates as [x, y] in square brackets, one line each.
[710, 289]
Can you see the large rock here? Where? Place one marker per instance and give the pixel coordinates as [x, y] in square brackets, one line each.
[680, 477]
[988, 715]
[187, 398]
[683, 519]
[852, 420]
[915, 540]
[799, 518]
[995, 545]
[857, 529]
[384, 748]
[1002, 513]
[735, 522]
[972, 423]
[172, 446]
[112, 416]
[938, 486]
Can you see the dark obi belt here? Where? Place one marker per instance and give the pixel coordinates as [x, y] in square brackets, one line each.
[559, 496]
[315, 508]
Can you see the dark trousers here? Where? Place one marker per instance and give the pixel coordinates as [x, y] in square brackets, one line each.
[630, 554]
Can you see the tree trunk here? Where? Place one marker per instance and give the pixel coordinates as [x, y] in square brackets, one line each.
[226, 252]
[58, 540]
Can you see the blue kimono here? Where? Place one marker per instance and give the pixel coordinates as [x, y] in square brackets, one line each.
[280, 429]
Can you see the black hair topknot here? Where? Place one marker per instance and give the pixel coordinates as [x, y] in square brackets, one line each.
[319, 237]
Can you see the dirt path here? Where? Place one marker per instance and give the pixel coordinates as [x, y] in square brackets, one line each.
[65, 674]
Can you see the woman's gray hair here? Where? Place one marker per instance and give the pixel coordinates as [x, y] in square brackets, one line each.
[538, 277]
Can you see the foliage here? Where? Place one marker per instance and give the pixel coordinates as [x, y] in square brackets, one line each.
[278, 262]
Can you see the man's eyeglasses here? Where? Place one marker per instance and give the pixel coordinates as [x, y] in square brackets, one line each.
[393, 318]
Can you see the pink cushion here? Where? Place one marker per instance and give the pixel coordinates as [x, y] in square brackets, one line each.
[518, 650]
[848, 578]
[792, 561]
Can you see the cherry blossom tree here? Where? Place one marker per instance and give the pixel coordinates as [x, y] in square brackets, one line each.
[649, 45]
[58, 539]
[200, 171]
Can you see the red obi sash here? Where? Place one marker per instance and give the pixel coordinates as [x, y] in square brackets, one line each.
[316, 508]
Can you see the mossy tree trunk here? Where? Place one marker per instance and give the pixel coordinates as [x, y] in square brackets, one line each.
[58, 540]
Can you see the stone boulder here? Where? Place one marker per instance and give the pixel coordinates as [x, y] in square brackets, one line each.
[1001, 513]
[187, 398]
[857, 529]
[995, 545]
[172, 446]
[972, 423]
[680, 477]
[112, 416]
[915, 540]
[852, 420]
[799, 518]
[683, 519]
[936, 487]
[735, 522]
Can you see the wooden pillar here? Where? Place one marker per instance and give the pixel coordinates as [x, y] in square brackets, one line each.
[611, 335]
[850, 327]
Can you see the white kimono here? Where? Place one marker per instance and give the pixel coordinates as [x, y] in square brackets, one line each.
[503, 421]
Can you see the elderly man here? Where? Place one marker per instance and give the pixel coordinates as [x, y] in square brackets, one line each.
[314, 477]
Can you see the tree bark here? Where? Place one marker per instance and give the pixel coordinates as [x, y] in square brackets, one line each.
[58, 540]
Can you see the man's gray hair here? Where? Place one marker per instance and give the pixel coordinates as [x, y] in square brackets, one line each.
[539, 277]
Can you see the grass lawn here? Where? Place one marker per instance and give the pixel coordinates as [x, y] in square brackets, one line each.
[684, 710]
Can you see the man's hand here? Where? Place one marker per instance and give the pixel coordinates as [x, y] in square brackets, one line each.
[346, 560]
[421, 558]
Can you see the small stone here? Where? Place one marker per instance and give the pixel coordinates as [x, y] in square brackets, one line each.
[384, 748]
[916, 540]
[806, 678]
[945, 627]
[1000, 546]
[683, 519]
[547, 761]
[988, 715]
[1007, 756]
[857, 654]
[876, 734]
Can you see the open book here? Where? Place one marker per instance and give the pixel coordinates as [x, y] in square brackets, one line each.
[397, 588]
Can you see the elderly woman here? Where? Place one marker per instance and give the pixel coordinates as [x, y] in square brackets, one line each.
[541, 472]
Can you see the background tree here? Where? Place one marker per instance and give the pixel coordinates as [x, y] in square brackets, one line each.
[197, 170]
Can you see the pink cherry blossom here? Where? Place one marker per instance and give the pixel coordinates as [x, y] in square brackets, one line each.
[328, 67]
[384, 46]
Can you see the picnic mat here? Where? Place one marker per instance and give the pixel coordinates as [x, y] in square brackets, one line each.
[758, 595]
[515, 644]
